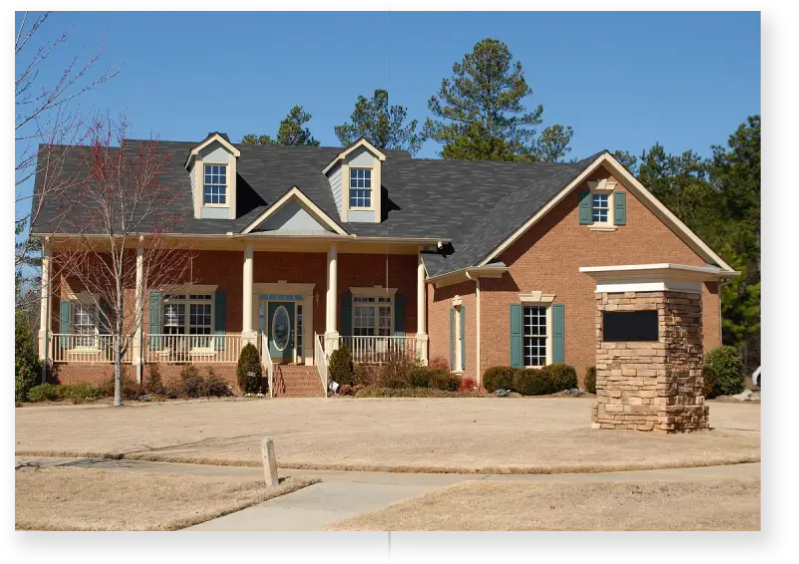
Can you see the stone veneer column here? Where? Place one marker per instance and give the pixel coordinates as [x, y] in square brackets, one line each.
[652, 386]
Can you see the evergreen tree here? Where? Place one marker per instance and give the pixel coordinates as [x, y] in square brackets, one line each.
[290, 133]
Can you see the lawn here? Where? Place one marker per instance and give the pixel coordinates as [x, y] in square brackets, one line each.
[558, 506]
[79, 499]
[491, 435]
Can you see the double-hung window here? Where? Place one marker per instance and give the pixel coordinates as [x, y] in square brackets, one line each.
[535, 335]
[360, 188]
[215, 185]
[85, 325]
[189, 314]
[600, 207]
[371, 316]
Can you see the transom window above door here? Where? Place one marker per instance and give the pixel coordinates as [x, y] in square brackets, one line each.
[360, 188]
[371, 316]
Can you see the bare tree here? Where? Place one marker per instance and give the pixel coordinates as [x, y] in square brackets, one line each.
[44, 116]
[119, 205]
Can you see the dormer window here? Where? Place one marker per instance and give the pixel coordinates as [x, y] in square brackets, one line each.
[360, 188]
[215, 185]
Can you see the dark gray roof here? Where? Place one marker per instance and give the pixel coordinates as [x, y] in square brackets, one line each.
[474, 204]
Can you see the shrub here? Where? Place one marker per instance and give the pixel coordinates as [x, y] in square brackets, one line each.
[419, 377]
[346, 390]
[341, 366]
[723, 372]
[193, 382]
[467, 385]
[366, 375]
[153, 384]
[215, 385]
[590, 380]
[44, 392]
[378, 392]
[498, 377]
[396, 372]
[564, 376]
[26, 361]
[173, 389]
[130, 388]
[534, 382]
[442, 380]
[439, 362]
[249, 362]
[81, 392]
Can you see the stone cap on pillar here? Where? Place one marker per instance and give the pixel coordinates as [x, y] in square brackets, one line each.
[657, 277]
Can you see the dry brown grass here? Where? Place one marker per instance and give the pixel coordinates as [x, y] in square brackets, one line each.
[557, 506]
[78, 499]
[492, 435]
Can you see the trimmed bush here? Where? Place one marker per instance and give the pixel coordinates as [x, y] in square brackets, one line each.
[215, 385]
[249, 362]
[590, 380]
[376, 392]
[26, 361]
[498, 377]
[723, 372]
[341, 366]
[81, 392]
[44, 392]
[396, 372]
[130, 388]
[534, 382]
[443, 380]
[153, 383]
[419, 376]
[564, 376]
[193, 382]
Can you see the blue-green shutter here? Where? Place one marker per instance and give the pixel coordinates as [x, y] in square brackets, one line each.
[463, 338]
[558, 346]
[346, 314]
[585, 207]
[65, 321]
[399, 315]
[155, 321]
[220, 309]
[516, 335]
[620, 208]
[452, 339]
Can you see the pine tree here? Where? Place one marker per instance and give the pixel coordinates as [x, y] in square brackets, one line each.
[290, 133]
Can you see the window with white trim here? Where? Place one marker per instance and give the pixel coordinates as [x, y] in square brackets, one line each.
[600, 207]
[360, 188]
[200, 318]
[371, 316]
[86, 326]
[215, 185]
[534, 336]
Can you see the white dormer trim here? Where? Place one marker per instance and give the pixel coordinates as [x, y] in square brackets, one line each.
[362, 142]
[295, 193]
[213, 138]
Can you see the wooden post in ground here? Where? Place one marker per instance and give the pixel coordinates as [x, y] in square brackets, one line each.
[270, 462]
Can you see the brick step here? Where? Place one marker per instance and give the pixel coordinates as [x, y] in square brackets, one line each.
[295, 381]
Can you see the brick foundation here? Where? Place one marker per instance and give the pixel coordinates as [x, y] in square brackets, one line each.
[97, 374]
[652, 386]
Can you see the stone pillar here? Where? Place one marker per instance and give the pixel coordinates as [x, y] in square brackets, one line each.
[44, 312]
[248, 335]
[421, 312]
[652, 386]
[138, 360]
[331, 301]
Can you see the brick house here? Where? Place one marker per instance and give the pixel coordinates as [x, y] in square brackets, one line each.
[301, 249]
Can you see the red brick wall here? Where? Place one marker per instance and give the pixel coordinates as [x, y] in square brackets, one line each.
[439, 304]
[99, 373]
[547, 258]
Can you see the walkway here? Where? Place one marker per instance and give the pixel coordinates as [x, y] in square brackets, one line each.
[341, 495]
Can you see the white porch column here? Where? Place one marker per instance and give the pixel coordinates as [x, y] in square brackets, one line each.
[44, 319]
[331, 332]
[138, 361]
[421, 312]
[247, 333]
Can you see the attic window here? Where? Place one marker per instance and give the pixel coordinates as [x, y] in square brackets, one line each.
[360, 188]
[215, 185]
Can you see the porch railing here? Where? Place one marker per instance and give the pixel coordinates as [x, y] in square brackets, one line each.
[183, 349]
[266, 360]
[321, 360]
[377, 350]
[71, 347]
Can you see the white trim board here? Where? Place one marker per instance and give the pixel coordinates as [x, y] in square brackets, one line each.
[304, 201]
[362, 142]
[632, 184]
[213, 138]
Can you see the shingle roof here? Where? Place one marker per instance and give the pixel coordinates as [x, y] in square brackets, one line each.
[474, 204]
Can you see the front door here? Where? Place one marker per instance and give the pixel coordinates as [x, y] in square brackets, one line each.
[280, 331]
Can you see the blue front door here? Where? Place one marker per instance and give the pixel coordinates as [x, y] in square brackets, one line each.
[280, 331]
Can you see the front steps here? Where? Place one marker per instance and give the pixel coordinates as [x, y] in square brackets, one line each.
[297, 381]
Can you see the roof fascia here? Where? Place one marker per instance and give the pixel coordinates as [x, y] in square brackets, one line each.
[215, 137]
[305, 201]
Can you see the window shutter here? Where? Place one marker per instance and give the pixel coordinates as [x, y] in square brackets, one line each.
[155, 320]
[558, 346]
[399, 315]
[620, 208]
[463, 337]
[104, 319]
[220, 310]
[516, 335]
[585, 207]
[65, 321]
[452, 339]
[346, 314]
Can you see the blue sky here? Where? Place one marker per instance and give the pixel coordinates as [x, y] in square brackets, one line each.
[621, 80]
